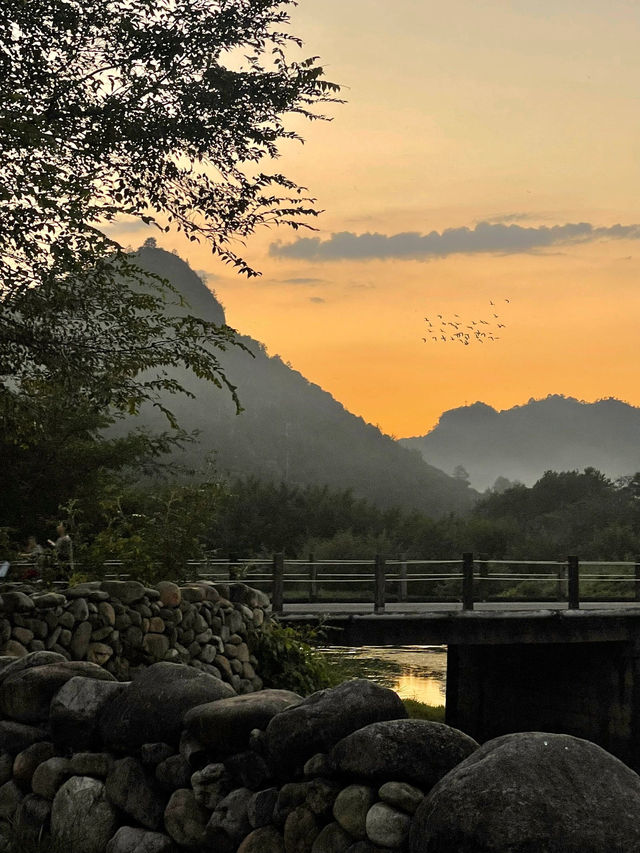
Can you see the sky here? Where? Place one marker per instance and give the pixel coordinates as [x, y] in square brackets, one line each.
[487, 152]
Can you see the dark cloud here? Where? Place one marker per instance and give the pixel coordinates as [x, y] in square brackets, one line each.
[484, 237]
[317, 299]
[302, 281]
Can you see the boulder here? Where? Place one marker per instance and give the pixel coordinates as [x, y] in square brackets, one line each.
[401, 795]
[267, 839]
[14, 737]
[25, 762]
[416, 751]
[386, 826]
[131, 790]
[74, 711]
[185, 820]
[261, 806]
[155, 703]
[49, 776]
[173, 773]
[132, 839]
[128, 592]
[32, 818]
[14, 601]
[82, 819]
[96, 764]
[229, 819]
[29, 661]
[350, 809]
[301, 829]
[170, 595]
[79, 645]
[332, 839]
[10, 798]
[224, 726]
[25, 696]
[321, 720]
[531, 791]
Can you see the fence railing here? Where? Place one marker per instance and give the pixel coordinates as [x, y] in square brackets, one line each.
[467, 580]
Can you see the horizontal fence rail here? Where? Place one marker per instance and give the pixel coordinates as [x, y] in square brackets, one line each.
[467, 580]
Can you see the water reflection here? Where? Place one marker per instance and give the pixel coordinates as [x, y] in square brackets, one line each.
[414, 672]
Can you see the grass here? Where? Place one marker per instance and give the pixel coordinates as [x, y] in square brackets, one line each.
[422, 711]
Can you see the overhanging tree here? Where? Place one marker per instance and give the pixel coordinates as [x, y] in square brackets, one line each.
[160, 111]
[155, 111]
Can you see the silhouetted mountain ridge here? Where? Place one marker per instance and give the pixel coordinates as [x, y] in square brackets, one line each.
[291, 429]
[556, 433]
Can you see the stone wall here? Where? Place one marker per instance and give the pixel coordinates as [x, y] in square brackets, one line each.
[124, 626]
[176, 761]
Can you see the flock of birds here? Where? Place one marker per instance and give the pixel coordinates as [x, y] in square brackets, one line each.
[443, 329]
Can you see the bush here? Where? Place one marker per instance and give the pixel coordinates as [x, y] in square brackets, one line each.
[289, 659]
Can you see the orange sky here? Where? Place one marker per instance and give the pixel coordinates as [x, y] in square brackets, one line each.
[521, 112]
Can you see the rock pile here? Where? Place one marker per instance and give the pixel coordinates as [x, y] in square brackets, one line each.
[174, 760]
[123, 626]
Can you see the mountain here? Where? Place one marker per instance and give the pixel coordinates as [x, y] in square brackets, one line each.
[556, 433]
[290, 430]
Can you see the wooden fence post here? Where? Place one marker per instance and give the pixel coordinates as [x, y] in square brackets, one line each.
[467, 581]
[637, 583]
[379, 584]
[573, 578]
[483, 566]
[560, 596]
[402, 586]
[277, 583]
[313, 578]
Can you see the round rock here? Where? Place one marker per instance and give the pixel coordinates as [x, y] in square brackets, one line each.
[415, 751]
[26, 696]
[387, 826]
[532, 792]
[82, 820]
[321, 720]
[225, 726]
[155, 704]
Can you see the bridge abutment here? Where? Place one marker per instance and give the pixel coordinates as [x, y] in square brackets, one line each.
[590, 690]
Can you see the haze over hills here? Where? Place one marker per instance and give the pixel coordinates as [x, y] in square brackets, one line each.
[556, 433]
[291, 430]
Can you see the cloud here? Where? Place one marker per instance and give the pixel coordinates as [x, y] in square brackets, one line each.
[485, 237]
[302, 281]
[317, 299]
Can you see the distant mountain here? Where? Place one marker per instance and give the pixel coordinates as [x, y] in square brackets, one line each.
[557, 433]
[291, 430]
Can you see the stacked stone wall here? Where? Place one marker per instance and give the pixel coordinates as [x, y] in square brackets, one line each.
[124, 626]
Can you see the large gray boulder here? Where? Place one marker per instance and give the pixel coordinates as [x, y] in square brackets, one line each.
[14, 737]
[132, 839]
[29, 661]
[224, 726]
[26, 696]
[82, 820]
[548, 793]
[74, 711]
[134, 792]
[415, 751]
[324, 718]
[153, 706]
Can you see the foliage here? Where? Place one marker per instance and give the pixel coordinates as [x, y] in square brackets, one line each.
[153, 532]
[289, 659]
[60, 455]
[160, 113]
[421, 711]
